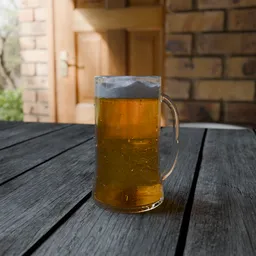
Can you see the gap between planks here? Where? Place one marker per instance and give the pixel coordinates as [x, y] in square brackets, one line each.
[188, 208]
[89, 195]
[35, 137]
[51, 231]
[47, 160]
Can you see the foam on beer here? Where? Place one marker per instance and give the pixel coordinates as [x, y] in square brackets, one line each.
[124, 88]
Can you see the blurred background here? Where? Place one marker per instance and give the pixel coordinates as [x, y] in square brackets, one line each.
[50, 51]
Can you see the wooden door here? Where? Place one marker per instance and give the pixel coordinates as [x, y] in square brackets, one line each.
[97, 37]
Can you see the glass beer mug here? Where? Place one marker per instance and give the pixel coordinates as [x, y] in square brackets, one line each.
[128, 116]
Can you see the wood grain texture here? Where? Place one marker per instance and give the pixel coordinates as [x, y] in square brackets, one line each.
[33, 203]
[109, 4]
[117, 52]
[8, 125]
[141, 44]
[93, 231]
[90, 48]
[26, 131]
[22, 157]
[90, 3]
[143, 2]
[149, 18]
[223, 217]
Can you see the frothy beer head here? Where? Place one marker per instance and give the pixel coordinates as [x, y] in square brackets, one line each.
[128, 87]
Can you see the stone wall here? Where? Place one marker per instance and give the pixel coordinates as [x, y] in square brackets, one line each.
[211, 59]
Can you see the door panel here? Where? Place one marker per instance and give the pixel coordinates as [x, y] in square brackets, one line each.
[99, 41]
[144, 53]
[90, 64]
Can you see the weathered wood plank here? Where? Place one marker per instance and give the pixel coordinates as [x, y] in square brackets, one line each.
[33, 203]
[26, 131]
[8, 125]
[223, 217]
[22, 157]
[93, 231]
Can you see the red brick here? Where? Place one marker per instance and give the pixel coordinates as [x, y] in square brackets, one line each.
[178, 5]
[30, 118]
[40, 14]
[32, 29]
[197, 111]
[26, 15]
[195, 21]
[240, 67]
[28, 69]
[242, 19]
[41, 69]
[34, 56]
[178, 44]
[240, 113]
[218, 4]
[41, 42]
[35, 82]
[42, 96]
[224, 90]
[239, 43]
[29, 96]
[27, 43]
[193, 68]
[176, 89]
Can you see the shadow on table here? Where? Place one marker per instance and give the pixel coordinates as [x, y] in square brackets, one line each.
[175, 204]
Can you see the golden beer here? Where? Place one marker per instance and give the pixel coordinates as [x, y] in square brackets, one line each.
[127, 115]
[127, 151]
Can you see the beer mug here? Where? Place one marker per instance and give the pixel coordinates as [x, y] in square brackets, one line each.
[128, 116]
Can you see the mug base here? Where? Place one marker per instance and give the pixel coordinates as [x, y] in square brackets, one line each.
[137, 209]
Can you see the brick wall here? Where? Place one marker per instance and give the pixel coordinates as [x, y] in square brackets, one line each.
[33, 42]
[211, 59]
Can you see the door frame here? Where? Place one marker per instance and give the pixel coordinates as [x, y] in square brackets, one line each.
[52, 94]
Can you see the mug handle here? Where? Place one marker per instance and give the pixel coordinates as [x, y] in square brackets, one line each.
[166, 99]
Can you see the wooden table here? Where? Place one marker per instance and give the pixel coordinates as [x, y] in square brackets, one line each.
[46, 205]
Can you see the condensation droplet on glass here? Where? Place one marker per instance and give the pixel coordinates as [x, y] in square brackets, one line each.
[131, 170]
[129, 140]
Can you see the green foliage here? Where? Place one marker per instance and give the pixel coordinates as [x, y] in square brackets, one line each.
[11, 105]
